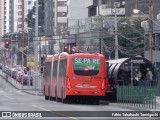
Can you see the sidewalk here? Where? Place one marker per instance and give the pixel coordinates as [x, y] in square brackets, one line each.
[28, 89]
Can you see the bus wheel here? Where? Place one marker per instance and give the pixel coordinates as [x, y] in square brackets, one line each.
[46, 97]
[51, 98]
[57, 99]
[64, 100]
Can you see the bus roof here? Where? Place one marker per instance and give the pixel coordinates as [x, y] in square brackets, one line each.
[87, 54]
[64, 54]
[49, 58]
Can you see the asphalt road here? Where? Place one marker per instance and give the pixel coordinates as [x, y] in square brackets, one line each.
[21, 104]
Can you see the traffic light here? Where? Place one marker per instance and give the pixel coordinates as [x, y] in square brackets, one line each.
[6, 44]
[65, 48]
[70, 48]
[27, 68]
[74, 49]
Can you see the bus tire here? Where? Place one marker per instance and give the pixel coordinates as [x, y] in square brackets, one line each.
[46, 97]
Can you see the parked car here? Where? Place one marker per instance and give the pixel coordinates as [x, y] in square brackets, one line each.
[5, 69]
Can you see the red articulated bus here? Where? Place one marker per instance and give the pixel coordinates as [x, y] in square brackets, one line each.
[75, 77]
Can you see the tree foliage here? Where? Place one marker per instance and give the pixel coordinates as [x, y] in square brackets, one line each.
[32, 14]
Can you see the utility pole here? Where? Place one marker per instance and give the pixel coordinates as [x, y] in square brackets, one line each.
[40, 54]
[116, 36]
[150, 30]
[36, 34]
[100, 30]
[22, 58]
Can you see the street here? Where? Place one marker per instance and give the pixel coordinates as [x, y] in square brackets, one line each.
[16, 100]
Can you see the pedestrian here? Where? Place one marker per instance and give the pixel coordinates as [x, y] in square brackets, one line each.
[149, 77]
[137, 76]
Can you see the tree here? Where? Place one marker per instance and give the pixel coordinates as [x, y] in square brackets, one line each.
[130, 37]
[32, 14]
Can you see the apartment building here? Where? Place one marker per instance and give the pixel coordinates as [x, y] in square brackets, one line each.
[21, 11]
[60, 15]
[13, 14]
[49, 17]
[1, 16]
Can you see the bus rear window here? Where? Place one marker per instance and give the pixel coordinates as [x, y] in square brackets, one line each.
[86, 66]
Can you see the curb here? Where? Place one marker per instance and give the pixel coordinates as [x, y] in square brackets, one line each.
[103, 102]
[9, 82]
[33, 93]
[127, 106]
[23, 90]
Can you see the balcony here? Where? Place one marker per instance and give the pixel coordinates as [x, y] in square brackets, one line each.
[62, 19]
[110, 11]
[62, 9]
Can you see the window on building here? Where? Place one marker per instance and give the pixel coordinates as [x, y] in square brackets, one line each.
[50, 7]
[19, 1]
[65, 3]
[103, 1]
[29, 2]
[64, 24]
[64, 14]
[20, 13]
[19, 19]
[19, 6]
[92, 11]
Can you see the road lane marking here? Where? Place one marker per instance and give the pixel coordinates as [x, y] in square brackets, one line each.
[40, 108]
[63, 115]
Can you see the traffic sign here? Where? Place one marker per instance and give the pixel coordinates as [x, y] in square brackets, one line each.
[56, 37]
[31, 60]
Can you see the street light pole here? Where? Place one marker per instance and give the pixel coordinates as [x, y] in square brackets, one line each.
[150, 30]
[150, 27]
[36, 34]
[116, 35]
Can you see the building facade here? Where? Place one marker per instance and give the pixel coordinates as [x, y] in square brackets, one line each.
[13, 14]
[1, 16]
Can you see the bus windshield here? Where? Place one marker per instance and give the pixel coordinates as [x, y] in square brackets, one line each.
[86, 66]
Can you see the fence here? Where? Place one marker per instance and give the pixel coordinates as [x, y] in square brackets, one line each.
[137, 96]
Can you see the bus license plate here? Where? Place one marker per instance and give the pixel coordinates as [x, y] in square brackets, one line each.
[86, 85]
